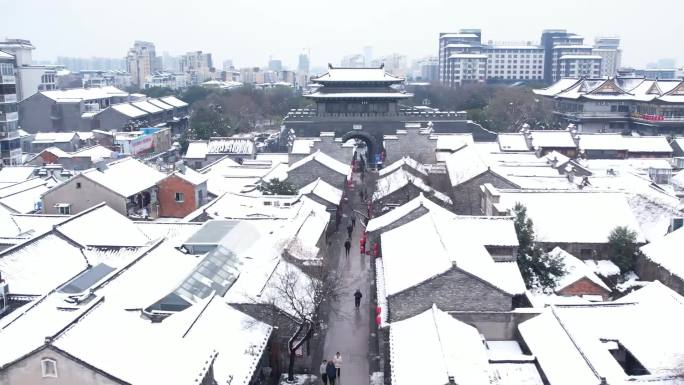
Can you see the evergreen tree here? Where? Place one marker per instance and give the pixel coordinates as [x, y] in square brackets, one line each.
[538, 268]
[277, 187]
[623, 247]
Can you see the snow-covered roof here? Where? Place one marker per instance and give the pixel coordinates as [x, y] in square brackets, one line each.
[432, 347]
[302, 146]
[356, 75]
[53, 137]
[602, 142]
[648, 144]
[574, 217]
[128, 110]
[16, 174]
[666, 252]
[125, 177]
[552, 139]
[602, 267]
[404, 161]
[323, 190]
[400, 178]
[359, 95]
[230, 146]
[575, 270]
[147, 107]
[25, 201]
[173, 101]
[95, 152]
[443, 247]
[464, 165]
[197, 150]
[191, 176]
[655, 294]
[307, 229]
[573, 343]
[160, 104]
[452, 142]
[86, 229]
[512, 142]
[325, 160]
[79, 94]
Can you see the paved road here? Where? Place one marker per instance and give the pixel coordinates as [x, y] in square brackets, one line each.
[349, 328]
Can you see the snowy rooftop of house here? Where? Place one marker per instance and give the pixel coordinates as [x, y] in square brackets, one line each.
[602, 142]
[654, 293]
[306, 229]
[197, 150]
[15, 174]
[242, 206]
[574, 343]
[160, 104]
[95, 152]
[79, 94]
[401, 178]
[125, 177]
[512, 142]
[433, 346]
[191, 176]
[173, 101]
[666, 252]
[147, 107]
[575, 270]
[231, 146]
[585, 217]
[302, 146]
[440, 242]
[211, 232]
[552, 139]
[128, 110]
[648, 144]
[323, 190]
[452, 142]
[356, 75]
[404, 161]
[602, 267]
[325, 160]
[54, 137]
[465, 164]
[85, 229]
[26, 200]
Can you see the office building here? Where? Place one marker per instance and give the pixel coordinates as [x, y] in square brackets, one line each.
[428, 69]
[303, 64]
[228, 65]
[354, 61]
[197, 65]
[275, 65]
[611, 54]
[566, 55]
[10, 145]
[142, 61]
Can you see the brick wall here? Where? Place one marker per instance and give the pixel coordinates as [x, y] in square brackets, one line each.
[309, 172]
[584, 286]
[467, 195]
[412, 143]
[168, 207]
[454, 290]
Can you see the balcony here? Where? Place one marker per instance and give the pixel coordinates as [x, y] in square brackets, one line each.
[9, 117]
[9, 98]
[8, 79]
[594, 114]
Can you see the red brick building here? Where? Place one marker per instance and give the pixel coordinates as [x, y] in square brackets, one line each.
[579, 279]
[181, 193]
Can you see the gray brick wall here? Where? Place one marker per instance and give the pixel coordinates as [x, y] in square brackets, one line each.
[34, 113]
[309, 172]
[454, 290]
[650, 271]
[466, 196]
[412, 143]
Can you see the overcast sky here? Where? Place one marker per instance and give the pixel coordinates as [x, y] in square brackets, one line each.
[249, 31]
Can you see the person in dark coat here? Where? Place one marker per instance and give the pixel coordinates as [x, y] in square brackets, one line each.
[323, 371]
[350, 228]
[347, 247]
[357, 298]
[331, 372]
[353, 219]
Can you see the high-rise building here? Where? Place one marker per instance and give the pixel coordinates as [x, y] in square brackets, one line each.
[566, 55]
[429, 69]
[303, 64]
[228, 65]
[611, 54]
[142, 62]
[197, 65]
[275, 65]
[368, 54]
[354, 61]
[10, 145]
[30, 78]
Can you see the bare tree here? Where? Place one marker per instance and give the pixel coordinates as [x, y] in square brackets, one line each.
[302, 297]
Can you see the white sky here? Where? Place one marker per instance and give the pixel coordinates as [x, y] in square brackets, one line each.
[249, 31]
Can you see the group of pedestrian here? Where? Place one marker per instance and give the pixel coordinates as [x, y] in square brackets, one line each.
[330, 370]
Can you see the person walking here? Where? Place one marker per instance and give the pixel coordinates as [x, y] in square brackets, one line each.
[350, 228]
[353, 219]
[331, 372]
[347, 247]
[337, 360]
[322, 371]
[357, 298]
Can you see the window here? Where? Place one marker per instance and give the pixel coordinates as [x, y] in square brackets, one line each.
[78, 184]
[180, 197]
[64, 208]
[49, 367]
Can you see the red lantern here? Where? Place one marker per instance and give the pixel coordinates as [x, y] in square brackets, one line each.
[378, 320]
[378, 310]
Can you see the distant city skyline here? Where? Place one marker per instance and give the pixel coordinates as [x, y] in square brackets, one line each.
[399, 26]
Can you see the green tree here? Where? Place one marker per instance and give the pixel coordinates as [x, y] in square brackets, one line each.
[539, 269]
[195, 94]
[207, 121]
[623, 248]
[277, 187]
[157, 92]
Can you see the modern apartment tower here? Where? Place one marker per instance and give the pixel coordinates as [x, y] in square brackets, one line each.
[10, 146]
[609, 50]
[197, 65]
[142, 61]
[566, 55]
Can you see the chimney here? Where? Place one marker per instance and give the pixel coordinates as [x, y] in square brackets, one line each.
[180, 166]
